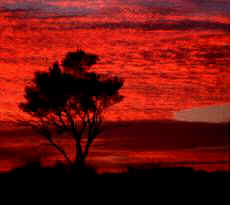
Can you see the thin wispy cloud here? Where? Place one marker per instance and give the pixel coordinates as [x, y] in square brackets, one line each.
[84, 7]
[46, 8]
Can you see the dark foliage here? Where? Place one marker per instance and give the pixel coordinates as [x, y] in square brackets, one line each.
[72, 99]
[79, 61]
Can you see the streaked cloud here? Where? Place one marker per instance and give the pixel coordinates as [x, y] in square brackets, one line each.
[45, 8]
[99, 7]
[172, 53]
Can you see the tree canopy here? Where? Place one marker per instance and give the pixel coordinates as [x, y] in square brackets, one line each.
[71, 98]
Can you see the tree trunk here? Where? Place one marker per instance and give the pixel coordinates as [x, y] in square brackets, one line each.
[79, 157]
[89, 142]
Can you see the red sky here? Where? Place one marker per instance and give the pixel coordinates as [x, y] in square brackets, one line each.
[173, 54]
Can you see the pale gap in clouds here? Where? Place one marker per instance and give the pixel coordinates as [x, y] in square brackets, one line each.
[215, 114]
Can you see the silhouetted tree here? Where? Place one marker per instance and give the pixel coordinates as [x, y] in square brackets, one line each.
[68, 98]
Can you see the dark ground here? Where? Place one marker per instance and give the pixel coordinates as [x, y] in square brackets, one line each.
[149, 185]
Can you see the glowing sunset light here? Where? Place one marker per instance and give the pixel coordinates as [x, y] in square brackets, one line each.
[173, 56]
